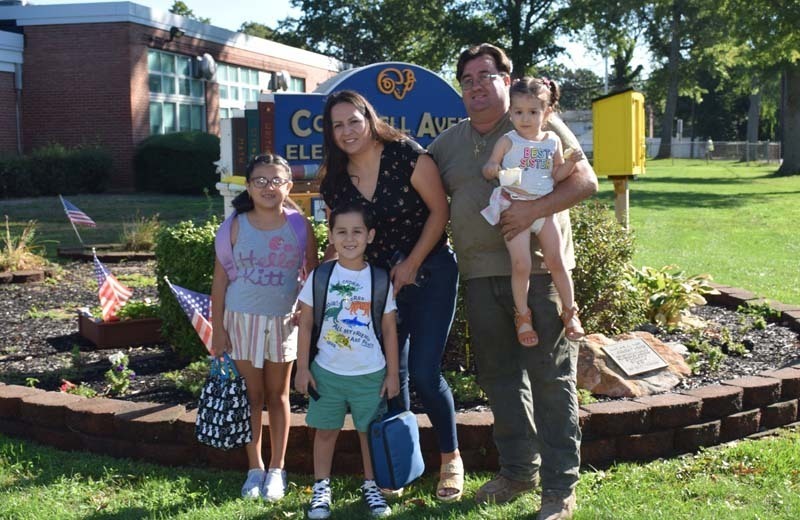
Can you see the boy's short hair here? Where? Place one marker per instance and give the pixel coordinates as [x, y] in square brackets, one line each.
[351, 207]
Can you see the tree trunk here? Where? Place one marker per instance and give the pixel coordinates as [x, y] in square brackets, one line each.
[791, 122]
[754, 117]
[665, 147]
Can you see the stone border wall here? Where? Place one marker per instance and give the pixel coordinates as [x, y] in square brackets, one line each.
[639, 429]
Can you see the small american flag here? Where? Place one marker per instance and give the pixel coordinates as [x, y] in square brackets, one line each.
[112, 293]
[75, 215]
[197, 307]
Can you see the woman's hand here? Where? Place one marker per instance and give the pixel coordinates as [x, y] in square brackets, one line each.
[220, 342]
[404, 273]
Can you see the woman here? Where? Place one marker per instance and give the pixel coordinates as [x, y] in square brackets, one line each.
[366, 161]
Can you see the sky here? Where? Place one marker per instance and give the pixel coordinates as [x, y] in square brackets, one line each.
[235, 12]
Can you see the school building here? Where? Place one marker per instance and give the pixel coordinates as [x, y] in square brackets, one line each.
[115, 73]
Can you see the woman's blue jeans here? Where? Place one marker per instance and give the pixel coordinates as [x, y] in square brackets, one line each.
[424, 316]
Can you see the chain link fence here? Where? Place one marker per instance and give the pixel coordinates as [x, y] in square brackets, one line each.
[762, 151]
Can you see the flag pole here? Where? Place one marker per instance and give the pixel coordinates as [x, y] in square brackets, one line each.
[70, 220]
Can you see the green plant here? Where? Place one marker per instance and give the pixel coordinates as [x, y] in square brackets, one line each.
[670, 293]
[81, 389]
[181, 162]
[603, 250]
[138, 309]
[321, 234]
[119, 375]
[729, 344]
[52, 314]
[185, 254]
[139, 234]
[585, 397]
[761, 312]
[134, 280]
[191, 378]
[464, 386]
[75, 356]
[704, 355]
[20, 252]
[31, 382]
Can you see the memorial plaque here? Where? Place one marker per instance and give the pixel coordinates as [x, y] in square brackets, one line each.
[634, 356]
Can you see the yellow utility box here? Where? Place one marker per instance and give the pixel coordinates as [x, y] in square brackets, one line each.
[618, 135]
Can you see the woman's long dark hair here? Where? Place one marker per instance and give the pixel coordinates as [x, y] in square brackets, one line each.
[333, 171]
[242, 203]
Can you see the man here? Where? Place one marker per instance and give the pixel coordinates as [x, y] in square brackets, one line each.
[532, 391]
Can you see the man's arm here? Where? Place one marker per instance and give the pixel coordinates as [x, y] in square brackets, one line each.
[581, 185]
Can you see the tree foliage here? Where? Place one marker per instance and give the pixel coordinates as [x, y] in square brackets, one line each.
[361, 32]
[180, 8]
[578, 87]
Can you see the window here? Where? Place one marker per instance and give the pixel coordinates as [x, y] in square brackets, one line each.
[237, 86]
[297, 85]
[177, 100]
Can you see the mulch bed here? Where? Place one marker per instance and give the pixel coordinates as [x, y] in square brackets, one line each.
[36, 342]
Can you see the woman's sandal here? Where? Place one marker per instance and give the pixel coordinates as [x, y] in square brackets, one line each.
[572, 324]
[526, 338]
[451, 477]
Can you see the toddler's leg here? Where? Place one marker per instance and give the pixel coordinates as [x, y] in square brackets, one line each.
[519, 249]
[550, 240]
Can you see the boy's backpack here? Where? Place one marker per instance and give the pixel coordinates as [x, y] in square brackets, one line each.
[320, 280]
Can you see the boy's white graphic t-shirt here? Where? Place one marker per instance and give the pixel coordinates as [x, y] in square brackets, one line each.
[347, 342]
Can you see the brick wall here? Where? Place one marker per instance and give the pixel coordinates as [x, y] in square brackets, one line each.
[8, 115]
[77, 90]
[656, 426]
[88, 83]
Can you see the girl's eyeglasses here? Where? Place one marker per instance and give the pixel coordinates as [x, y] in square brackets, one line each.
[263, 182]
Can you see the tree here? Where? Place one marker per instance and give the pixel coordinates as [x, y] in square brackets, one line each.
[613, 29]
[768, 31]
[257, 29]
[361, 32]
[527, 29]
[180, 8]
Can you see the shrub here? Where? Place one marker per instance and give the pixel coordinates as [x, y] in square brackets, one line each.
[54, 169]
[670, 293]
[609, 303]
[15, 180]
[138, 309]
[184, 253]
[20, 252]
[140, 233]
[182, 162]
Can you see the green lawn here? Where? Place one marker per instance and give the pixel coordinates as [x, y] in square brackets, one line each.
[109, 211]
[733, 221]
[747, 480]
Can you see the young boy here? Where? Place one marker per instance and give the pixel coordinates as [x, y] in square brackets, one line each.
[350, 369]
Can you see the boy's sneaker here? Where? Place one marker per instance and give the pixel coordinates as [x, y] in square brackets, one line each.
[320, 506]
[252, 486]
[274, 486]
[374, 499]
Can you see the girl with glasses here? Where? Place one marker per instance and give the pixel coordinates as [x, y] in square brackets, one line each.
[263, 251]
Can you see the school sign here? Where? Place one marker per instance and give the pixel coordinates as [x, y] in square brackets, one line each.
[410, 98]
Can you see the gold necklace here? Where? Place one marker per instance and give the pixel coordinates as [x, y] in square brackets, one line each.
[479, 142]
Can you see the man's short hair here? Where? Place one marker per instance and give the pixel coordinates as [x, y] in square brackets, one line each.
[501, 61]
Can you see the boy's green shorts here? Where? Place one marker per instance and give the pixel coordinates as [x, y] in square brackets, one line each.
[336, 393]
